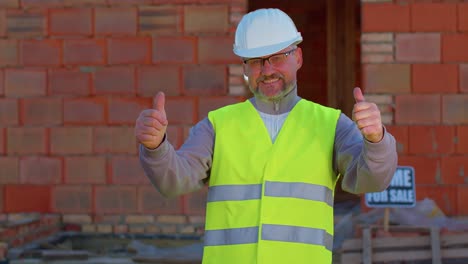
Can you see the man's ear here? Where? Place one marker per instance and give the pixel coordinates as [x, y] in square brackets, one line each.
[298, 53]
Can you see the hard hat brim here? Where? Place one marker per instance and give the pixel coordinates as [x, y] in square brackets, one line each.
[268, 50]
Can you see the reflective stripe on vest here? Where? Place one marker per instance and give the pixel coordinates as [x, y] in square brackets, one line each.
[249, 235]
[276, 189]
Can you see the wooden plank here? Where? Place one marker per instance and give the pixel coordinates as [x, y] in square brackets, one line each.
[401, 255]
[435, 245]
[446, 241]
[367, 246]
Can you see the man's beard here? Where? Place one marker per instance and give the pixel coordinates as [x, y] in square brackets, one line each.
[285, 89]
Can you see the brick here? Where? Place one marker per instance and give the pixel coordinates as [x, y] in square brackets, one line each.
[42, 3]
[431, 139]
[377, 38]
[26, 140]
[120, 229]
[152, 229]
[454, 109]
[454, 48]
[174, 135]
[115, 140]
[163, 49]
[206, 18]
[70, 22]
[2, 141]
[3, 22]
[454, 169]
[84, 52]
[72, 199]
[115, 21]
[462, 197]
[150, 201]
[136, 229]
[88, 228]
[115, 80]
[25, 82]
[26, 198]
[164, 19]
[206, 105]
[418, 47]
[180, 110]
[401, 136]
[154, 79]
[418, 109]
[9, 112]
[195, 203]
[205, 80]
[85, 170]
[40, 170]
[107, 219]
[69, 82]
[127, 170]
[435, 78]
[129, 2]
[43, 111]
[104, 229]
[2, 83]
[9, 170]
[8, 52]
[463, 16]
[387, 78]
[92, 3]
[172, 219]
[10, 4]
[427, 168]
[124, 111]
[139, 219]
[41, 52]
[445, 197]
[71, 140]
[385, 17]
[26, 23]
[464, 78]
[84, 111]
[380, 47]
[435, 17]
[115, 199]
[169, 229]
[129, 51]
[76, 219]
[216, 50]
[462, 139]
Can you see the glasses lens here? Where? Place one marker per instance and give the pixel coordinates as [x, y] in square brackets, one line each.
[277, 59]
[254, 63]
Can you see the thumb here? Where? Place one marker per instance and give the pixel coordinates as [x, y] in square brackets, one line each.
[159, 102]
[358, 96]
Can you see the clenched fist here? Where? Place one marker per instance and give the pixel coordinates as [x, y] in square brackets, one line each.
[367, 117]
[151, 124]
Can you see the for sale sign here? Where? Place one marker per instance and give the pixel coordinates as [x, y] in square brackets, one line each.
[400, 193]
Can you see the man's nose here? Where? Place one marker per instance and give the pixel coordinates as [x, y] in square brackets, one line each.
[266, 66]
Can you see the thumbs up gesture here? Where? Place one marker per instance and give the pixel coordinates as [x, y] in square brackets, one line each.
[151, 124]
[367, 117]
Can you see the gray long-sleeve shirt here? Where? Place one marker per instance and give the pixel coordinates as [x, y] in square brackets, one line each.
[364, 166]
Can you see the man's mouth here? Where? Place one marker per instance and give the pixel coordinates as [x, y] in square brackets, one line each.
[272, 80]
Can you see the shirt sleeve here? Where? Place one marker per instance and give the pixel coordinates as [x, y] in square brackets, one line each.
[176, 172]
[364, 166]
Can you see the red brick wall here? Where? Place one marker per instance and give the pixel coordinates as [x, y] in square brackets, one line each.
[74, 75]
[415, 60]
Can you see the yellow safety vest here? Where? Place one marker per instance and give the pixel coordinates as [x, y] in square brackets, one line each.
[271, 203]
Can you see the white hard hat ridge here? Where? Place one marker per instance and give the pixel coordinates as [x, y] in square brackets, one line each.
[264, 32]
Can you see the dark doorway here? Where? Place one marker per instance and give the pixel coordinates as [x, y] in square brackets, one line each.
[331, 52]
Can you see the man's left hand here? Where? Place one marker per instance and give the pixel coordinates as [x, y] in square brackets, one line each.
[367, 117]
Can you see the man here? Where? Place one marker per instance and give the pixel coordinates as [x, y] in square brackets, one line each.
[271, 162]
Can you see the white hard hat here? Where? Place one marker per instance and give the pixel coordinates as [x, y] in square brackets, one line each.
[264, 32]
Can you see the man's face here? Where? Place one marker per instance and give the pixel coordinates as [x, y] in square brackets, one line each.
[277, 76]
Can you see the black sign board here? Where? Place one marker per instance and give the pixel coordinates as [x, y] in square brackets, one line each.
[400, 193]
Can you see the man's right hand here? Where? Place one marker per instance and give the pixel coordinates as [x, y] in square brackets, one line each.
[151, 124]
